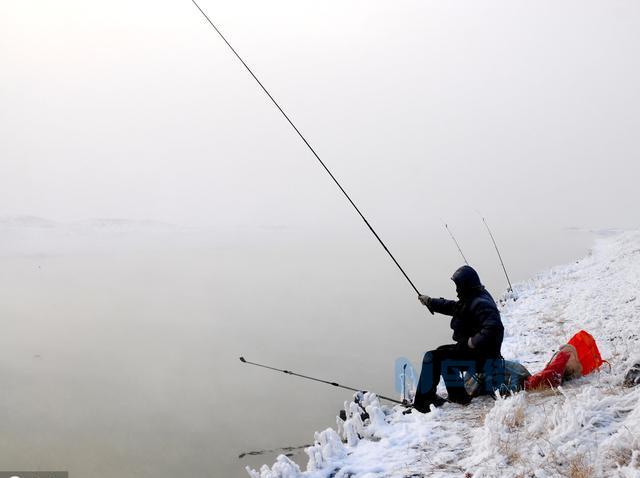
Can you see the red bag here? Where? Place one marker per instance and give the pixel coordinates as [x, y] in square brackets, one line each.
[588, 352]
[551, 375]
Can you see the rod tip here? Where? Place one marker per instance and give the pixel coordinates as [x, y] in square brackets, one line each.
[242, 360]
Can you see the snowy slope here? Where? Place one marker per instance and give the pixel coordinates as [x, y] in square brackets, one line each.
[589, 427]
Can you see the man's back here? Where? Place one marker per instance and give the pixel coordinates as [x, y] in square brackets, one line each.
[485, 324]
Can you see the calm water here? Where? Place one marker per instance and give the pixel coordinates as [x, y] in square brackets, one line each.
[119, 350]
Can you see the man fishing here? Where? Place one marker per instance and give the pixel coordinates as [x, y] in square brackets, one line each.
[477, 331]
[476, 322]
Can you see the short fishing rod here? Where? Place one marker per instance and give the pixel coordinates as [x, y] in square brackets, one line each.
[456, 242]
[334, 384]
[404, 382]
[498, 251]
[308, 146]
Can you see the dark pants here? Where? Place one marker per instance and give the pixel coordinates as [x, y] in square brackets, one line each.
[449, 361]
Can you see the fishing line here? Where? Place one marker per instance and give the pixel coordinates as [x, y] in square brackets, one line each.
[308, 146]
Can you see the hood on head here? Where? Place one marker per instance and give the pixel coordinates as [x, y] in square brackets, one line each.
[467, 280]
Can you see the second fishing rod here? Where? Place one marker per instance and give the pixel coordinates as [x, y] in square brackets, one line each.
[495, 245]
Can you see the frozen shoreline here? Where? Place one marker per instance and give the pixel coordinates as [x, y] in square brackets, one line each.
[589, 426]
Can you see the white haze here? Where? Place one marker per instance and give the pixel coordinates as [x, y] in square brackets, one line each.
[526, 112]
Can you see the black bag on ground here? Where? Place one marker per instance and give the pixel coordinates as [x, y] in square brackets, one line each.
[508, 378]
[633, 376]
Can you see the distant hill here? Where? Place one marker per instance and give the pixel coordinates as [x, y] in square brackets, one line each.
[123, 224]
[27, 221]
[115, 224]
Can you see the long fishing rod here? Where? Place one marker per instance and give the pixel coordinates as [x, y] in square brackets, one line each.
[288, 449]
[335, 384]
[498, 251]
[456, 242]
[308, 146]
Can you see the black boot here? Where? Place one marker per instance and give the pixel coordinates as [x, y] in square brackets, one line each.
[458, 395]
[422, 406]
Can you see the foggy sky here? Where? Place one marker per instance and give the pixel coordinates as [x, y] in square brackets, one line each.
[527, 111]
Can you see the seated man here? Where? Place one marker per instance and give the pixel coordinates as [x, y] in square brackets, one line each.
[478, 333]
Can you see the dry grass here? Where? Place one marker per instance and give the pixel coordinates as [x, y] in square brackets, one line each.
[622, 456]
[580, 468]
[516, 419]
[513, 457]
[544, 391]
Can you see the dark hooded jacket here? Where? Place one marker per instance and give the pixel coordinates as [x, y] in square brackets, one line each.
[475, 315]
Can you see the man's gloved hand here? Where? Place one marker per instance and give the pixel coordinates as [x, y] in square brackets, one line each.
[470, 344]
[426, 301]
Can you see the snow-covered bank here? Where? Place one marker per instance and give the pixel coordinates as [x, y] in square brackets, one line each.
[590, 427]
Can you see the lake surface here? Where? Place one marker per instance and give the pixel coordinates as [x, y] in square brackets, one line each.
[119, 348]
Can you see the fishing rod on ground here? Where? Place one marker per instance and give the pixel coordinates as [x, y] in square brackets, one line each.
[498, 251]
[324, 166]
[334, 384]
[455, 241]
[286, 449]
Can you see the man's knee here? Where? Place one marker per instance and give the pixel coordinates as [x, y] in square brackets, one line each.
[439, 353]
[447, 347]
[428, 357]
